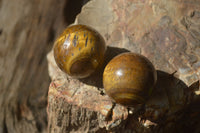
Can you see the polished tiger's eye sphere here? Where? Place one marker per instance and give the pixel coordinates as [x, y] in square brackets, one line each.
[79, 51]
[129, 79]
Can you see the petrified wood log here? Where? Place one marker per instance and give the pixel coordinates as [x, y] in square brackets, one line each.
[27, 31]
[166, 32]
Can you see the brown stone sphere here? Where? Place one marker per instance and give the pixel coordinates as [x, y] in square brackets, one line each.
[129, 79]
[79, 51]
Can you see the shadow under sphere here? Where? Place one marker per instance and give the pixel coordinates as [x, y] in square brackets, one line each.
[96, 79]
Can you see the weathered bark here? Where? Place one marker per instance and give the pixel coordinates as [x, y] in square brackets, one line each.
[27, 31]
[167, 32]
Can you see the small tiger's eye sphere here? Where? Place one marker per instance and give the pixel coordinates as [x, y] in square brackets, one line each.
[129, 79]
[79, 51]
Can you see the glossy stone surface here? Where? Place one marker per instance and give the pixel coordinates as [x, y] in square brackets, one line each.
[79, 51]
[129, 79]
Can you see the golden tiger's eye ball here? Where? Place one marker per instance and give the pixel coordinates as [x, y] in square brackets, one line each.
[129, 79]
[79, 51]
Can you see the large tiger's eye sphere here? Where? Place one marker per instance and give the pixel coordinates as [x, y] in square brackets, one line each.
[79, 51]
[129, 79]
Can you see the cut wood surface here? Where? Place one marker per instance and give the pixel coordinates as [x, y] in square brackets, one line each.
[167, 33]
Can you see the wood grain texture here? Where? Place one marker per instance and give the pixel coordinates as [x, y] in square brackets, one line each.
[27, 32]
